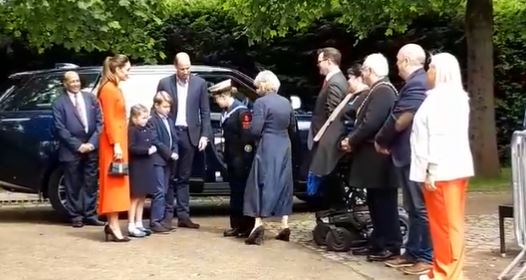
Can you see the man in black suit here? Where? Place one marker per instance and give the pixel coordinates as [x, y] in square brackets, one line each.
[191, 112]
[333, 91]
[78, 123]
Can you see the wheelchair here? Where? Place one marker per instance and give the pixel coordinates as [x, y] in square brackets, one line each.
[350, 225]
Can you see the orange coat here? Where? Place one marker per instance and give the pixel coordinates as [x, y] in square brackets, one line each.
[114, 192]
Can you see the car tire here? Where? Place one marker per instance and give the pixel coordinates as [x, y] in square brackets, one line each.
[340, 239]
[55, 193]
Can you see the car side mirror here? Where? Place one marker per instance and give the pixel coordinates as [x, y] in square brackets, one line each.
[295, 102]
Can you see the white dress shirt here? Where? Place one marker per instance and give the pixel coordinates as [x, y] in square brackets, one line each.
[78, 101]
[182, 94]
[440, 136]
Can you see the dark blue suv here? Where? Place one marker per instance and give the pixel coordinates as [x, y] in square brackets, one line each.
[28, 149]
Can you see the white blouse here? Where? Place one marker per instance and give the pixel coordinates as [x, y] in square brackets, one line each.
[440, 135]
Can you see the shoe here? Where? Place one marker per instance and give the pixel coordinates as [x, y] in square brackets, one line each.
[284, 235]
[136, 233]
[382, 256]
[168, 226]
[418, 268]
[231, 232]
[158, 228]
[399, 262]
[256, 237]
[94, 222]
[363, 251]
[187, 223]
[77, 223]
[145, 230]
[109, 232]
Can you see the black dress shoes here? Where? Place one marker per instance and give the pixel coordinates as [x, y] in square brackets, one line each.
[284, 235]
[187, 223]
[363, 251]
[94, 222]
[382, 256]
[77, 223]
[231, 232]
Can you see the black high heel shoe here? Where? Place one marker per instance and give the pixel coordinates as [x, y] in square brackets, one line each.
[256, 237]
[109, 232]
[284, 235]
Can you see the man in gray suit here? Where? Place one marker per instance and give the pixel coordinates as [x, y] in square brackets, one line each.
[333, 91]
[191, 112]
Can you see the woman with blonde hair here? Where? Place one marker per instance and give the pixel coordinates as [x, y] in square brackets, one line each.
[441, 160]
[114, 189]
[269, 186]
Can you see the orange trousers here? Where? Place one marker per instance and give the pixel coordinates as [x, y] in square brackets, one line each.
[445, 209]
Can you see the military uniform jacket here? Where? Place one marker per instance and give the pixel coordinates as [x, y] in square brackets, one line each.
[239, 146]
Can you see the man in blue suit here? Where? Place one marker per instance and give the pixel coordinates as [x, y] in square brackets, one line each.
[191, 112]
[394, 139]
[78, 123]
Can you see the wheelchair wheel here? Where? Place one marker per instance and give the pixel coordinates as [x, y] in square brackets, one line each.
[319, 234]
[340, 239]
[403, 217]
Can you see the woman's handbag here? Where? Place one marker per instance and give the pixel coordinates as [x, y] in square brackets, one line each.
[118, 168]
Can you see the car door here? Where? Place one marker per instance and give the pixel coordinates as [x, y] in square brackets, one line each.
[27, 143]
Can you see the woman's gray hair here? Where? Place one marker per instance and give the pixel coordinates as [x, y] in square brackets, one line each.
[266, 81]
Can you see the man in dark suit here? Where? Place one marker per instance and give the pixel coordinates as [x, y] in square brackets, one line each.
[333, 91]
[191, 112]
[418, 256]
[78, 123]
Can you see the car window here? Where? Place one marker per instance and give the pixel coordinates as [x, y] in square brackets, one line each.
[8, 86]
[40, 91]
[140, 88]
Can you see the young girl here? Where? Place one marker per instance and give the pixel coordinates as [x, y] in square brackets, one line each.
[142, 176]
[162, 209]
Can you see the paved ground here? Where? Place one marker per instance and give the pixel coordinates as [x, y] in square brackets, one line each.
[35, 245]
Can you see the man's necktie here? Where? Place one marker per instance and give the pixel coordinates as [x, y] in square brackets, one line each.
[80, 111]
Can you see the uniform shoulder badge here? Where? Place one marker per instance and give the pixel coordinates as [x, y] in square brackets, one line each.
[246, 119]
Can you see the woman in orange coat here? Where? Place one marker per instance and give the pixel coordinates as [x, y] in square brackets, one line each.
[114, 191]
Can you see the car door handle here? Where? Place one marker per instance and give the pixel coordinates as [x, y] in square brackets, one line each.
[15, 120]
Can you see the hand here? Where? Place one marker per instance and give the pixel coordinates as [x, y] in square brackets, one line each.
[152, 150]
[117, 151]
[83, 148]
[430, 179]
[381, 150]
[345, 145]
[203, 141]
[174, 156]
[90, 147]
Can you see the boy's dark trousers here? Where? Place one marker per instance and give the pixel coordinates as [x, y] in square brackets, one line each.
[243, 224]
[162, 207]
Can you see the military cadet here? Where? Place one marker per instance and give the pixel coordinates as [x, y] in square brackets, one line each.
[235, 122]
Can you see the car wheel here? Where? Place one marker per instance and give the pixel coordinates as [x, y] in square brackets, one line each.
[340, 239]
[319, 234]
[56, 192]
[403, 217]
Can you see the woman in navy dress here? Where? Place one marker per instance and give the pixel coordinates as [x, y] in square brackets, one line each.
[269, 190]
[142, 176]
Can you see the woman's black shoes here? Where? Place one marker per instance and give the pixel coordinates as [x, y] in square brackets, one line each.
[284, 235]
[256, 237]
[109, 232]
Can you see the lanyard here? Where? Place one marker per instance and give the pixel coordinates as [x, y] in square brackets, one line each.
[225, 115]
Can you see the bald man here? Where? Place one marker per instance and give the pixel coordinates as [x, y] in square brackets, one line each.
[191, 112]
[78, 123]
[393, 138]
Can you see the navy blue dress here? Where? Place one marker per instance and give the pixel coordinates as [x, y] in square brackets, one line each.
[269, 189]
[142, 175]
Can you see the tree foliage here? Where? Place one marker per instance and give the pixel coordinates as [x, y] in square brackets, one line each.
[103, 25]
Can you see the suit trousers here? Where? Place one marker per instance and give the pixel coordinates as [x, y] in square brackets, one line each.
[162, 207]
[80, 180]
[383, 208]
[183, 171]
[446, 208]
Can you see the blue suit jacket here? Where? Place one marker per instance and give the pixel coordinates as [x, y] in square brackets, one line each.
[68, 127]
[197, 106]
[411, 96]
[161, 139]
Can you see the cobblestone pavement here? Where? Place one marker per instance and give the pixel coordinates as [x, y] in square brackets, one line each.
[35, 245]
